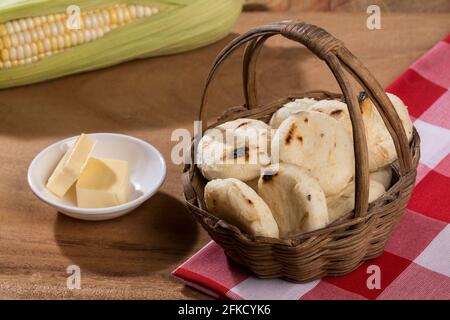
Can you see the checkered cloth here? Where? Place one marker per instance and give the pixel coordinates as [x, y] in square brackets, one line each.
[416, 260]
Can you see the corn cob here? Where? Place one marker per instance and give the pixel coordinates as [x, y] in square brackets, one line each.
[28, 40]
[39, 39]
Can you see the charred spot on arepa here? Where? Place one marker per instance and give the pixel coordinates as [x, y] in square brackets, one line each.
[269, 175]
[223, 133]
[290, 133]
[240, 152]
[242, 124]
[363, 101]
[362, 96]
[336, 113]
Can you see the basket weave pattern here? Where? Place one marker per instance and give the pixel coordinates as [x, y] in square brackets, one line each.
[349, 241]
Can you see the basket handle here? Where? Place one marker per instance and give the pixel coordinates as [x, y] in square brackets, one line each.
[350, 63]
[271, 29]
[337, 57]
[189, 192]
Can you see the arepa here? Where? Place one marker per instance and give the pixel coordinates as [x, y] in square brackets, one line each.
[295, 198]
[318, 143]
[235, 149]
[233, 201]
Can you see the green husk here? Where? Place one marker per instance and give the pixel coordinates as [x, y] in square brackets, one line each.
[181, 25]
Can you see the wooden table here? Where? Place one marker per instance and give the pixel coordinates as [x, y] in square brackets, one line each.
[132, 256]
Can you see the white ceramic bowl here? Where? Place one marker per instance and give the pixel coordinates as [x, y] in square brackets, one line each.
[147, 173]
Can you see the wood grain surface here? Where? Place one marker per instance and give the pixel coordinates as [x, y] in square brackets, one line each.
[132, 256]
[349, 5]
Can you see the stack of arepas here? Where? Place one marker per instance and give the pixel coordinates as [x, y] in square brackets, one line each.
[295, 174]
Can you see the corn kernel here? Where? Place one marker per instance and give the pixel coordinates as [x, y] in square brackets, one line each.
[54, 43]
[9, 27]
[132, 11]
[5, 54]
[27, 36]
[12, 54]
[14, 40]
[23, 24]
[73, 38]
[120, 18]
[47, 45]
[34, 35]
[3, 31]
[113, 16]
[30, 23]
[7, 42]
[37, 21]
[40, 46]
[47, 29]
[106, 17]
[20, 53]
[41, 33]
[27, 50]
[126, 15]
[34, 49]
[67, 41]
[60, 40]
[80, 36]
[87, 22]
[140, 11]
[21, 37]
[16, 26]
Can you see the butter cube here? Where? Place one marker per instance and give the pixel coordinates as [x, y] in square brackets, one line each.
[103, 183]
[70, 166]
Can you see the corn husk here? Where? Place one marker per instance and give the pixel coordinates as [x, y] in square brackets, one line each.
[179, 26]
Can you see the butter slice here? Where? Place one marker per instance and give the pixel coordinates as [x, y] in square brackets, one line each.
[70, 166]
[103, 183]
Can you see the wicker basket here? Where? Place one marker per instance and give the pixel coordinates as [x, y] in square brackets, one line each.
[358, 236]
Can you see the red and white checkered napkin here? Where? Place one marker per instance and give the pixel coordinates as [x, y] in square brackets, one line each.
[416, 261]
